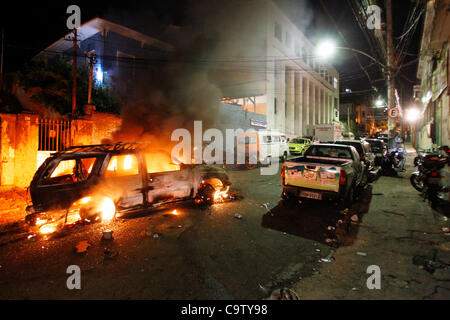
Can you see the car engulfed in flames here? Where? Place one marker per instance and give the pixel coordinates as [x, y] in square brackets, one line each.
[97, 183]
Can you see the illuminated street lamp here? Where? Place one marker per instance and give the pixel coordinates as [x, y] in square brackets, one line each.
[325, 49]
[412, 114]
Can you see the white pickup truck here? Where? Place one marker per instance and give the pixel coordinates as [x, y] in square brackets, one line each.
[325, 172]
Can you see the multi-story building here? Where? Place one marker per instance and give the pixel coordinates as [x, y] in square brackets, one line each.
[269, 66]
[433, 127]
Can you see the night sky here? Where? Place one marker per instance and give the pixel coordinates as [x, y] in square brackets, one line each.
[32, 27]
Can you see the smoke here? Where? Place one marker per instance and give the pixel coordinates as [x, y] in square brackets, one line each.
[219, 51]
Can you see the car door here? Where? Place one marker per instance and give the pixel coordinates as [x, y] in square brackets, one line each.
[63, 181]
[166, 182]
[123, 180]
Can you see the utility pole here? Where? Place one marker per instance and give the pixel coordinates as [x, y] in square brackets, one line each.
[74, 88]
[390, 65]
[91, 58]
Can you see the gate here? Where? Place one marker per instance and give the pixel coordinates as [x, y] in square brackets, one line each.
[54, 135]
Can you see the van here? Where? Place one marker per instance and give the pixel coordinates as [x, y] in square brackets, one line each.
[262, 146]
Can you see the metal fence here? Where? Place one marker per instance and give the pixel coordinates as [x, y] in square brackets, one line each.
[54, 135]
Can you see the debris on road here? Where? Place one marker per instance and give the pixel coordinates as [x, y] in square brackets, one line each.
[238, 216]
[110, 254]
[393, 212]
[82, 246]
[428, 264]
[363, 254]
[328, 258]
[284, 294]
[107, 235]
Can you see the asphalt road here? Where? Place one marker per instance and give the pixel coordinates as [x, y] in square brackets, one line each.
[202, 253]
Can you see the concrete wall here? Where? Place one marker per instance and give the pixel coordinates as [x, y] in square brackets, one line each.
[19, 143]
[18, 149]
[104, 126]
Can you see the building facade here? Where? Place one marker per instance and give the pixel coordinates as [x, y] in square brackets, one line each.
[121, 53]
[277, 72]
[433, 127]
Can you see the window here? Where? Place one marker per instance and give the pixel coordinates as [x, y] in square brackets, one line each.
[288, 39]
[71, 171]
[159, 162]
[267, 139]
[247, 140]
[304, 55]
[297, 49]
[276, 139]
[329, 152]
[278, 32]
[123, 165]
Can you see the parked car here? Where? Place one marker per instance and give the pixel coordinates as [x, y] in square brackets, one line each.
[379, 148]
[298, 145]
[262, 146]
[366, 155]
[324, 172]
[124, 176]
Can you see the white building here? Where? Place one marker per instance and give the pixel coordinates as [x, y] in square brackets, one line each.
[269, 66]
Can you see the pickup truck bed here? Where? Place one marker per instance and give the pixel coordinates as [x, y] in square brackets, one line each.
[319, 177]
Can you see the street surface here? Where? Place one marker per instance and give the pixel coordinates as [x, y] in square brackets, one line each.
[208, 253]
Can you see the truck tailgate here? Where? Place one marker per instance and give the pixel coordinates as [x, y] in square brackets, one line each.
[313, 175]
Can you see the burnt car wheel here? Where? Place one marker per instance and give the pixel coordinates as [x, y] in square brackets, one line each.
[206, 193]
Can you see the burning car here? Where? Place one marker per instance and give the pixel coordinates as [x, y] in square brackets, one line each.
[99, 181]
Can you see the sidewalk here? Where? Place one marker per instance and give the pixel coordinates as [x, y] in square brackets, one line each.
[12, 206]
[403, 236]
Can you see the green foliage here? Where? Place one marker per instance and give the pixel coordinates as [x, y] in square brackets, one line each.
[53, 80]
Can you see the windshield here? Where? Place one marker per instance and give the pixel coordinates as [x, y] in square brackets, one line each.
[328, 152]
[376, 145]
[301, 141]
[357, 145]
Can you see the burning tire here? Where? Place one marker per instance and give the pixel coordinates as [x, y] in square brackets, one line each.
[206, 194]
[212, 190]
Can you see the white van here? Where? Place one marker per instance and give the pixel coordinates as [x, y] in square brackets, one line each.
[263, 146]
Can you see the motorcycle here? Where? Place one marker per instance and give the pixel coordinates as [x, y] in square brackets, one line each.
[394, 161]
[430, 179]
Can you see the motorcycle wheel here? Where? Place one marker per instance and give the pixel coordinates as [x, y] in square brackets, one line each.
[416, 182]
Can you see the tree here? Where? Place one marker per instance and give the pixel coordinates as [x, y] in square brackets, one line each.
[53, 80]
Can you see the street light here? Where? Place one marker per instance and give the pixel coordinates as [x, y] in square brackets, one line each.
[325, 49]
[412, 114]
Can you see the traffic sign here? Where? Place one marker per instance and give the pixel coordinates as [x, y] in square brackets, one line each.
[393, 113]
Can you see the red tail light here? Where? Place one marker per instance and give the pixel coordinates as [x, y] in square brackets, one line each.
[343, 178]
[434, 174]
